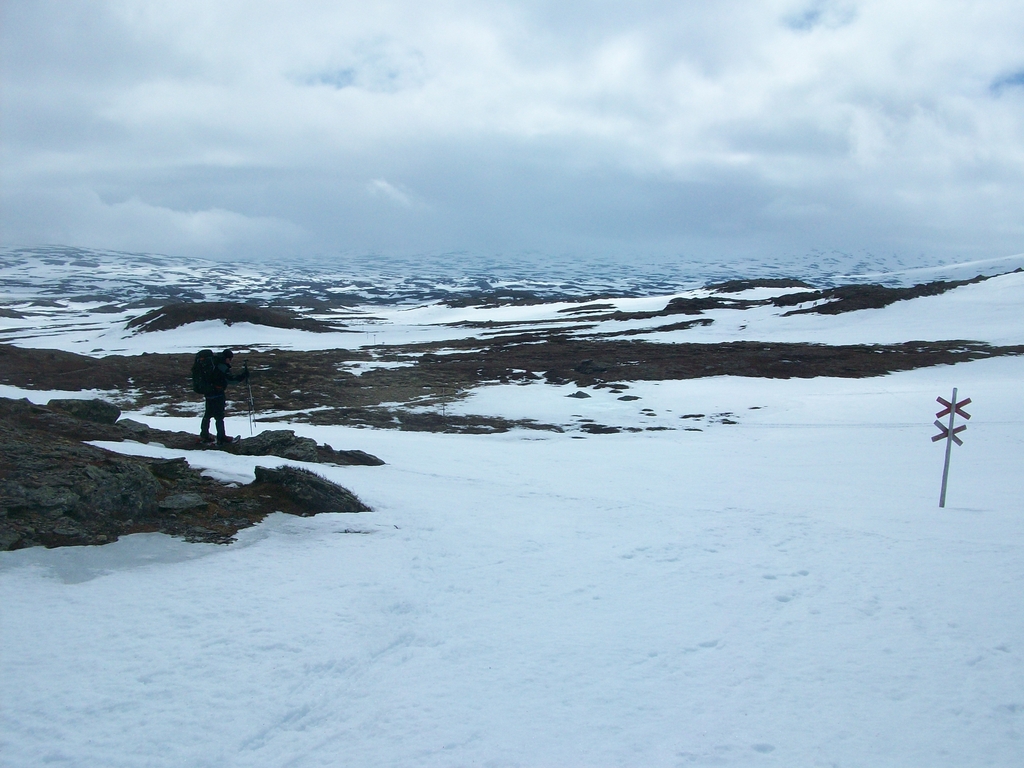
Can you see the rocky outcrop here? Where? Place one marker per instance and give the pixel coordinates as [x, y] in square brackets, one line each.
[56, 490]
[278, 442]
[88, 415]
[285, 443]
[99, 411]
[311, 491]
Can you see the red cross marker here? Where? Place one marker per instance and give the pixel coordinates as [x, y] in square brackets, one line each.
[949, 406]
[944, 432]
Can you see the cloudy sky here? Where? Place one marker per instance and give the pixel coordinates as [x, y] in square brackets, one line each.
[706, 128]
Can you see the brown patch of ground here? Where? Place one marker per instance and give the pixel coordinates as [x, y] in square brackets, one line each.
[293, 383]
[850, 298]
[738, 286]
[175, 315]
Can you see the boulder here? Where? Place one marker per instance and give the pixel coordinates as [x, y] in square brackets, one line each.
[349, 458]
[134, 428]
[311, 493]
[181, 501]
[278, 442]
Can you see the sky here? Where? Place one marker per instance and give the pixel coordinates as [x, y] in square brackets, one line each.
[247, 130]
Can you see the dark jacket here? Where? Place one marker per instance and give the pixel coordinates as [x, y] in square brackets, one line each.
[222, 375]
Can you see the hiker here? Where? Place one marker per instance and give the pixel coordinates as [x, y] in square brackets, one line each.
[216, 398]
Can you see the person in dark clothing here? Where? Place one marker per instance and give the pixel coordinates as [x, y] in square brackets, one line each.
[215, 402]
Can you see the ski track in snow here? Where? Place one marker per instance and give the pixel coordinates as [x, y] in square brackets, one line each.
[779, 591]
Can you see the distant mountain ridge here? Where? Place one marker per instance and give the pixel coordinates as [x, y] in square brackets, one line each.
[149, 280]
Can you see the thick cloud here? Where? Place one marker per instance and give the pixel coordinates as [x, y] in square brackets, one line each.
[713, 128]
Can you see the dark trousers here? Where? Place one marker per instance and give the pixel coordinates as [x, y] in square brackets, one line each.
[214, 410]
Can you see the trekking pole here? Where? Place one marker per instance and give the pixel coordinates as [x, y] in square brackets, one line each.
[252, 407]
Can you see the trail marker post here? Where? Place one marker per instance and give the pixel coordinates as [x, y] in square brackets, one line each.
[949, 433]
[252, 406]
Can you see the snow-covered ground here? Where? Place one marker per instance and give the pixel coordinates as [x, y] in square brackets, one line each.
[782, 590]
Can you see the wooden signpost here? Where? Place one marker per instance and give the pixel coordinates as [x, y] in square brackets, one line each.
[949, 433]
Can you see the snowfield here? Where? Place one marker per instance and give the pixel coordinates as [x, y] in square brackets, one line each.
[778, 591]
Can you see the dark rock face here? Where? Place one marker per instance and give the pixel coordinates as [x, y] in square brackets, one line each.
[55, 490]
[99, 411]
[310, 492]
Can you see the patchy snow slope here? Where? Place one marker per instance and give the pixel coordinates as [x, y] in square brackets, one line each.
[783, 591]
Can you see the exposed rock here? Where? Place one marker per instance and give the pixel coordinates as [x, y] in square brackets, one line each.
[311, 493]
[170, 469]
[135, 428]
[348, 458]
[182, 501]
[56, 490]
[278, 442]
[579, 395]
[599, 429]
[99, 411]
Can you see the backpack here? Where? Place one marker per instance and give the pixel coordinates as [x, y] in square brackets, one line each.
[202, 372]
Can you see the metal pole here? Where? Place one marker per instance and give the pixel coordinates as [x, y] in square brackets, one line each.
[949, 450]
[252, 408]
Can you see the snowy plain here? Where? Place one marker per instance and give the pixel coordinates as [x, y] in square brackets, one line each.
[782, 590]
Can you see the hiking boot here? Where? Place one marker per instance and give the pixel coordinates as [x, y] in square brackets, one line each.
[207, 438]
[225, 440]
